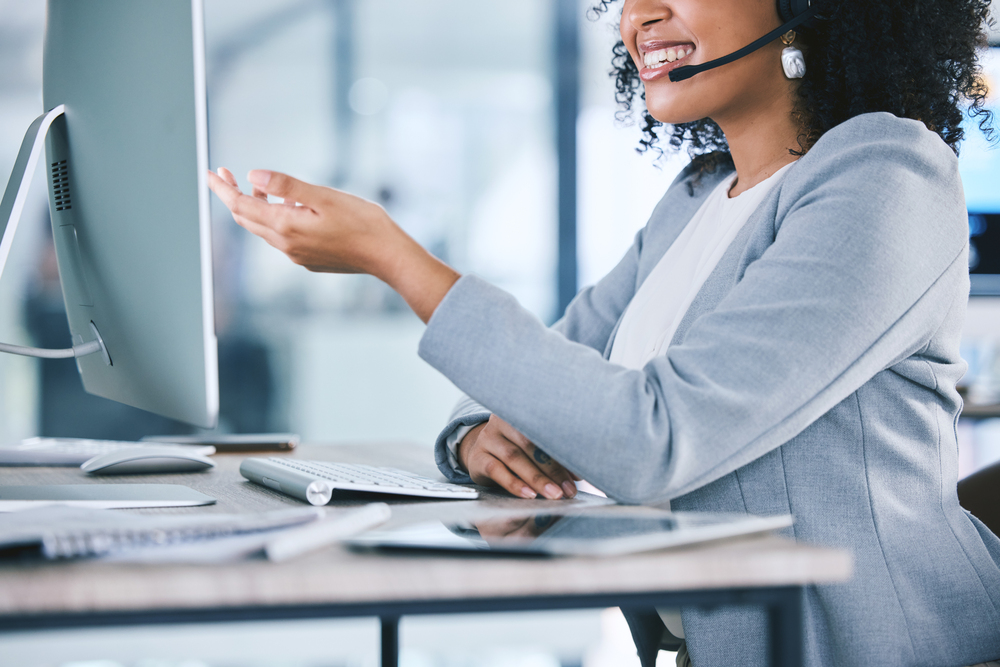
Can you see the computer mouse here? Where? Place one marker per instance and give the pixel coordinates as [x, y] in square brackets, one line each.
[147, 460]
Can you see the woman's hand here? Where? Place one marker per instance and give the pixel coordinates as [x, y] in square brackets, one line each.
[328, 230]
[497, 453]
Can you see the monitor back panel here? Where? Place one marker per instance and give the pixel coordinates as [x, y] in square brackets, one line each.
[129, 198]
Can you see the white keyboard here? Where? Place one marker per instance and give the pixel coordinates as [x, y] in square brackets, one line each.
[73, 451]
[315, 481]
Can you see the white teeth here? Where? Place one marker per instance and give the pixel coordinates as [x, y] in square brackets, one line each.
[655, 58]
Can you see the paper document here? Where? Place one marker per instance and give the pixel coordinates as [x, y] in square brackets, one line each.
[72, 532]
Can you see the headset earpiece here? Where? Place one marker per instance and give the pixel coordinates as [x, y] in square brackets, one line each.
[790, 9]
[785, 10]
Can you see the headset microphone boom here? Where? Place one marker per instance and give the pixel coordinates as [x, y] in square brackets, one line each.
[794, 13]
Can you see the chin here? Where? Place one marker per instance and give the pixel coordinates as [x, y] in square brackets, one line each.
[672, 111]
[668, 118]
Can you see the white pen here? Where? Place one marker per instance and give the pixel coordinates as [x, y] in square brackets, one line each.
[299, 541]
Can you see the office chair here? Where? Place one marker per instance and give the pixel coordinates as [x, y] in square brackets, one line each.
[980, 494]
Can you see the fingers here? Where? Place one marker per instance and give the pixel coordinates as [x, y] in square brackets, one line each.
[225, 187]
[554, 470]
[518, 462]
[249, 208]
[228, 177]
[545, 463]
[257, 216]
[282, 185]
[228, 192]
[493, 457]
[490, 469]
[496, 452]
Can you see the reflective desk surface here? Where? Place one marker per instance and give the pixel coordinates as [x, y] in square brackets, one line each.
[339, 582]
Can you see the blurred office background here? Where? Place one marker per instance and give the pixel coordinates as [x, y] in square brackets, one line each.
[494, 145]
[456, 116]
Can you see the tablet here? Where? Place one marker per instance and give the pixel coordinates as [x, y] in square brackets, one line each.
[572, 534]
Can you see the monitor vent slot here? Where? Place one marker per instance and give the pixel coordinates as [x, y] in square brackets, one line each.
[60, 186]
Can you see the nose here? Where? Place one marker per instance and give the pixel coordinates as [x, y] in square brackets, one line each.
[644, 13]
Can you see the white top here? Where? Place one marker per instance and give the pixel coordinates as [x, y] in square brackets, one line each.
[656, 310]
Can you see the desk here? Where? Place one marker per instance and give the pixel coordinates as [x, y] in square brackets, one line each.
[337, 582]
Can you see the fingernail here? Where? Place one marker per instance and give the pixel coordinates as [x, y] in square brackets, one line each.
[552, 492]
[528, 493]
[569, 488]
[259, 177]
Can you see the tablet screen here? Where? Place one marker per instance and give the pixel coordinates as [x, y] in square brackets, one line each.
[593, 534]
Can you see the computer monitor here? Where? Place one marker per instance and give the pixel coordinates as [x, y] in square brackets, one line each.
[979, 164]
[129, 201]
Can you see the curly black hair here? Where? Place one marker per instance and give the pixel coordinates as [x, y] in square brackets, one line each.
[912, 58]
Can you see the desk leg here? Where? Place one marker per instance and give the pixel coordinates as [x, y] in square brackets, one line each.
[787, 639]
[390, 641]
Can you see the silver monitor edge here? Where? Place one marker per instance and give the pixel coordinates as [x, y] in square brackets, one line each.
[134, 248]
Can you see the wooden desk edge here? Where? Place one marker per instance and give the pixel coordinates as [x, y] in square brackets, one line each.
[350, 578]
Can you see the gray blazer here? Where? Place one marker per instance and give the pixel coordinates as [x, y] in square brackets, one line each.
[814, 374]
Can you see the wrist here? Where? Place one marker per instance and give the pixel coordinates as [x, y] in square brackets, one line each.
[420, 278]
[465, 444]
[387, 250]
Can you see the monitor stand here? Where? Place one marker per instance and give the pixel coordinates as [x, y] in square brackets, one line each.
[11, 208]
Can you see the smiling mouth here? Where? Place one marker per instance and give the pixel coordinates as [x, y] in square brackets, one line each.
[661, 58]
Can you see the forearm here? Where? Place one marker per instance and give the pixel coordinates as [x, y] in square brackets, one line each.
[419, 277]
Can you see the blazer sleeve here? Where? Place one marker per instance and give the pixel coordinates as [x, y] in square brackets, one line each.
[589, 320]
[870, 250]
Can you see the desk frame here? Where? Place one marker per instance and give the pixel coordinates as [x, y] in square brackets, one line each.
[783, 604]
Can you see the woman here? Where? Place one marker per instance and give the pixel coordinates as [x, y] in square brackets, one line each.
[781, 338]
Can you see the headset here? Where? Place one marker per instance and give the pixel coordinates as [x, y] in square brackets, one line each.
[793, 13]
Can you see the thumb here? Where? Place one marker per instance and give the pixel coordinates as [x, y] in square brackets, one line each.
[284, 186]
